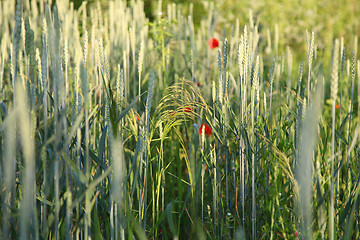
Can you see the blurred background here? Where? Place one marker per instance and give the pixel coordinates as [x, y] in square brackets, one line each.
[338, 17]
[289, 18]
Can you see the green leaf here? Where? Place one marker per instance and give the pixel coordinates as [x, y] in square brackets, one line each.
[95, 227]
[102, 145]
[91, 186]
[75, 126]
[170, 219]
[95, 158]
[127, 109]
[77, 172]
[3, 110]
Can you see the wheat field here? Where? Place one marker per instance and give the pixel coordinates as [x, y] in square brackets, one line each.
[185, 126]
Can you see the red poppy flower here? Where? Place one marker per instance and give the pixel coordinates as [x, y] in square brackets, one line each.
[198, 84]
[337, 106]
[206, 128]
[137, 117]
[187, 109]
[213, 43]
[296, 234]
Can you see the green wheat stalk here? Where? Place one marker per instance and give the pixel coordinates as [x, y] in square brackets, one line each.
[334, 91]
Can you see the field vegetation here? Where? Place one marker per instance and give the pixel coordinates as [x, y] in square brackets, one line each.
[157, 120]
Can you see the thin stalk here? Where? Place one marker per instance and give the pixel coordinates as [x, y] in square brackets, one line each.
[112, 224]
[140, 65]
[352, 72]
[331, 174]
[342, 63]
[334, 91]
[84, 88]
[253, 205]
[215, 190]
[254, 101]
[44, 67]
[162, 166]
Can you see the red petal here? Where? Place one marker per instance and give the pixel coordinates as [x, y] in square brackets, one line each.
[187, 109]
[213, 43]
[207, 129]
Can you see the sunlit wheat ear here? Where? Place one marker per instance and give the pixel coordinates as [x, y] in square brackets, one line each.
[289, 57]
[21, 69]
[85, 48]
[118, 94]
[125, 68]
[343, 56]
[352, 71]
[101, 57]
[30, 50]
[38, 70]
[225, 68]
[220, 84]
[140, 66]
[226, 53]
[16, 41]
[84, 84]
[342, 66]
[44, 58]
[272, 76]
[310, 60]
[265, 109]
[256, 87]
[241, 56]
[141, 58]
[14, 47]
[355, 45]
[213, 93]
[335, 71]
[276, 40]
